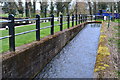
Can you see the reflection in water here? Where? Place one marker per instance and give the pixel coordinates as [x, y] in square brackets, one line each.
[77, 58]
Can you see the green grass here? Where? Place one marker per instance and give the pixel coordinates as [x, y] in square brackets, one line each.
[99, 19]
[29, 37]
[116, 20]
[3, 15]
[118, 74]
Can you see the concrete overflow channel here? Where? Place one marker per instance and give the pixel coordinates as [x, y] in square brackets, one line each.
[28, 60]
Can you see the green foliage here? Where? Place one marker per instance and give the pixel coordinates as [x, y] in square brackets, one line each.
[118, 74]
[59, 7]
[43, 6]
[62, 7]
[116, 20]
[51, 8]
[10, 7]
[110, 39]
[20, 7]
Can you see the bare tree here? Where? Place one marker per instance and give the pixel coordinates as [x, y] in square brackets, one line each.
[82, 8]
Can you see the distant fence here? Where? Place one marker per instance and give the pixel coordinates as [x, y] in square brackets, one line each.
[74, 19]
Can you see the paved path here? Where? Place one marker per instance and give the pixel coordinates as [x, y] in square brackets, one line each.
[77, 59]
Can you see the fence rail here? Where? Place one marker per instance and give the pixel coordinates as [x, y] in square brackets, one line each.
[67, 19]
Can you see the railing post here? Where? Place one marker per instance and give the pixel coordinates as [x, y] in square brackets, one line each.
[91, 17]
[83, 18]
[38, 28]
[76, 19]
[95, 17]
[61, 22]
[79, 18]
[103, 18]
[52, 24]
[68, 19]
[72, 20]
[108, 21]
[11, 33]
[86, 17]
[27, 22]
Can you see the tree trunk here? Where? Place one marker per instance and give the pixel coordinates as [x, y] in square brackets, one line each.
[118, 3]
[45, 13]
[57, 13]
[26, 9]
[94, 10]
[52, 8]
[90, 9]
[34, 7]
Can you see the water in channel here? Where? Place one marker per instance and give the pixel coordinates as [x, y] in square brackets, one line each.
[77, 58]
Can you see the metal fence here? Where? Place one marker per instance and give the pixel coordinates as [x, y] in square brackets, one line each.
[69, 19]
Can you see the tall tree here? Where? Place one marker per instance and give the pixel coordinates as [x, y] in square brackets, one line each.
[95, 8]
[90, 8]
[10, 7]
[43, 8]
[76, 8]
[20, 7]
[67, 5]
[34, 7]
[26, 9]
[82, 8]
[59, 7]
[62, 7]
[51, 8]
[30, 8]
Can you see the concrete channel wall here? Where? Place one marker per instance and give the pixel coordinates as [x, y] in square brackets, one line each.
[31, 58]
